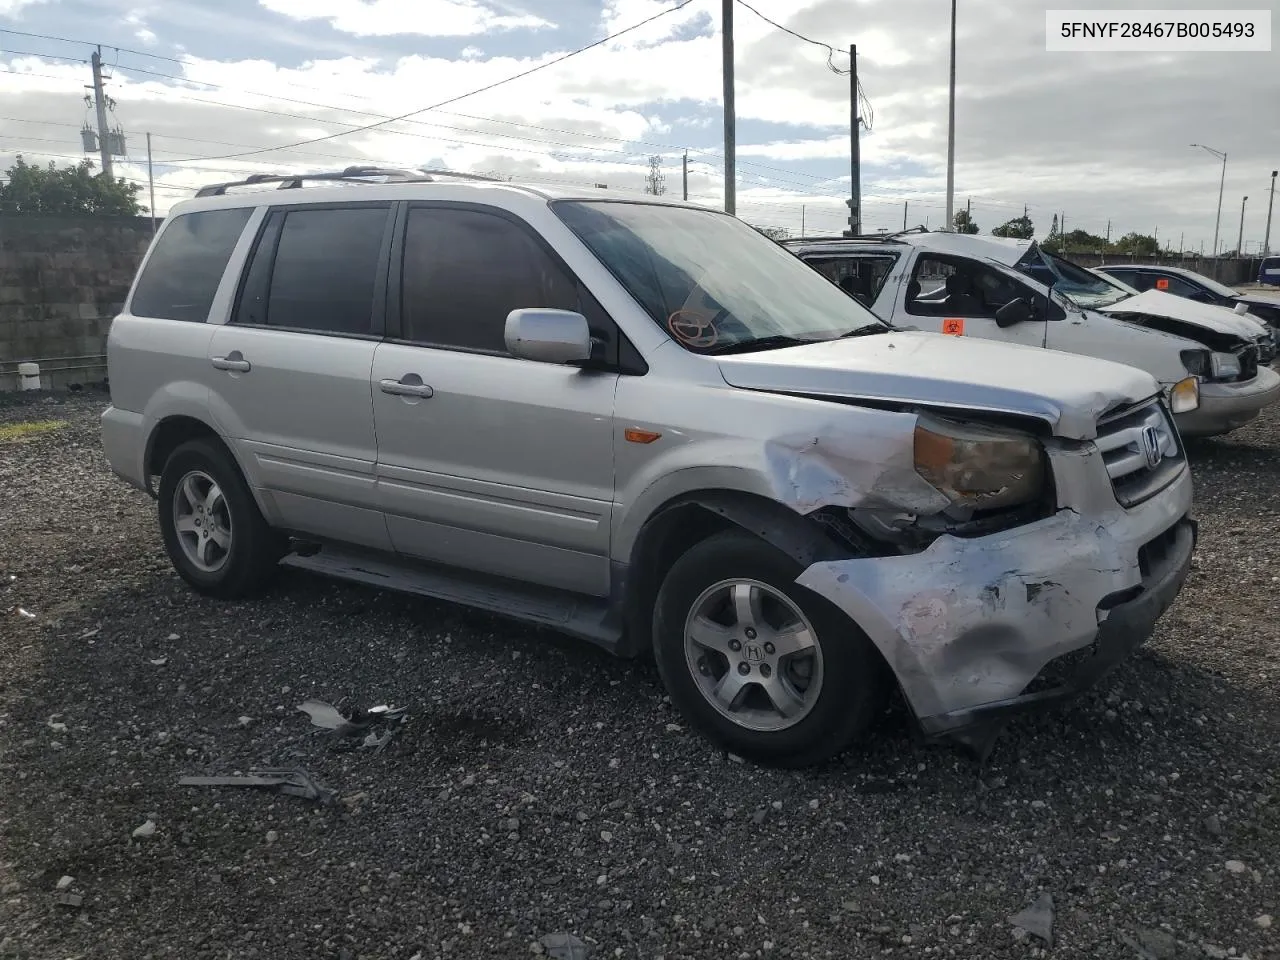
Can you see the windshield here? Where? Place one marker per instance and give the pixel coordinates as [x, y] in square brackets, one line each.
[712, 282]
[1082, 287]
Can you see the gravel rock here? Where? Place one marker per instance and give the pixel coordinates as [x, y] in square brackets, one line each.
[1122, 839]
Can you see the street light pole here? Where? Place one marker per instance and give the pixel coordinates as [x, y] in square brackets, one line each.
[951, 129]
[1221, 183]
[1240, 239]
[730, 129]
[1266, 242]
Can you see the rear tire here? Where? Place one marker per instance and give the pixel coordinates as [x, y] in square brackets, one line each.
[761, 666]
[214, 533]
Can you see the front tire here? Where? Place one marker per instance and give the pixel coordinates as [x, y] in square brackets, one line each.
[761, 666]
[214, 533]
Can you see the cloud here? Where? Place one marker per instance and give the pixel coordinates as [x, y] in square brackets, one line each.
[1100, 136]
[434, 18]
[11, 8]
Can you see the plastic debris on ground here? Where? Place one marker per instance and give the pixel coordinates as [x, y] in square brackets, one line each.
[295, 783]
[1037, 919]
[376, 726]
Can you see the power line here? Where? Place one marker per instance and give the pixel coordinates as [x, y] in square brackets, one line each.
[382, 117]
[868, 112]
[463, 96]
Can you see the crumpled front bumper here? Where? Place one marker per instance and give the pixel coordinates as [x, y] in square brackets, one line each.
[1226, 406]
[968, 624]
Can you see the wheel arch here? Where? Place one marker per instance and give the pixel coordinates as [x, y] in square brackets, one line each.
[171, 432]
[689, 518]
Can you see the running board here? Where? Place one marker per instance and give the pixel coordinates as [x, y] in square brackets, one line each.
[584, 617]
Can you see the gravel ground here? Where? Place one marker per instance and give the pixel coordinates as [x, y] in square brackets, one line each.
[542, 787]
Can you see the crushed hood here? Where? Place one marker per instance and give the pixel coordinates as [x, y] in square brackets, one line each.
[1067, 391]
[1157, 303]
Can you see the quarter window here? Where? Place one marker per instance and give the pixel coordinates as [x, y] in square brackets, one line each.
[185, 269]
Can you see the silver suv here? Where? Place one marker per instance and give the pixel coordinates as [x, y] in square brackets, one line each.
[645, 424]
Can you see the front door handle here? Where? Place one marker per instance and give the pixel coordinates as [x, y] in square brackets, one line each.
[410, 385]
[232, 361]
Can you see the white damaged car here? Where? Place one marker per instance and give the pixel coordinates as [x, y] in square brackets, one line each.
[1211, 363]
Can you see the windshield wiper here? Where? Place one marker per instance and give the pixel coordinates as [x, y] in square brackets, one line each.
[760, 343]
[866, 331]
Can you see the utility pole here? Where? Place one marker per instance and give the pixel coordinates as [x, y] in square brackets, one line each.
[151, 182]
[1240, 240]
[1266, 241]
[100, 107]
[951, 127]
[855, 155]
[802, 233]
[730, 138]
[1108, 231]
[686, 175]
[904, 214]
[1181, 237]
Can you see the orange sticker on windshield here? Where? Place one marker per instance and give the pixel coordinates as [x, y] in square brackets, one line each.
[1162, 284]
[953, 326]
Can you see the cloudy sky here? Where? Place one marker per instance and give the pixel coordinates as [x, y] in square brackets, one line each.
[1100, 137]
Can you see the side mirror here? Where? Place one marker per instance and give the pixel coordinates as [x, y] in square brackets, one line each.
[1015, 311]
[548, 336]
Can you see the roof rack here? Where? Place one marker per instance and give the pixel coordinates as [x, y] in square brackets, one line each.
[879, 237]
[357, 174]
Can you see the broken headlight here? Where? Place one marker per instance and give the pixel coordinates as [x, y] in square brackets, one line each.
[979, 467]
[1224, 366]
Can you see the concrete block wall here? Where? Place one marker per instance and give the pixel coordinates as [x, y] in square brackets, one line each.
[62, 279]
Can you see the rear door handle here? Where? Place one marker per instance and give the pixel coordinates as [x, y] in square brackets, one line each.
[233, 361]
[410, 385]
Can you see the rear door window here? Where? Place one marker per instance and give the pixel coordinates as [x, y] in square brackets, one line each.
[184, 270]
[861, 276]
[325, 270]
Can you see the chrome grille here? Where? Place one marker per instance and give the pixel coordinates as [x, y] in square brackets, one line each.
[1142, 452]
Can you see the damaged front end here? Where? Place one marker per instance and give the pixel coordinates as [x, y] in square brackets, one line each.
[1038, 564]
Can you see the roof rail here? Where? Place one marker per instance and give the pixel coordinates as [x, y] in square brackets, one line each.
[879, 237]
[355, 174]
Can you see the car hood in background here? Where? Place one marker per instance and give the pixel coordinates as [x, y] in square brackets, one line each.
[1157, 303]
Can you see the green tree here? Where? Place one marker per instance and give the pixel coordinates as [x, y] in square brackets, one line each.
[963, 222]
[1137, 243]
[1019, 228]
[775, 233]
[67, 190]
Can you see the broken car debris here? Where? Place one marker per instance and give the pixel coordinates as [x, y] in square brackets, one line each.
[378, 724]
[1037, 919]
[295, 783]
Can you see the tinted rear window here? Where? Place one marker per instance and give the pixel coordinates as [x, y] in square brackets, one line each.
[184, 270]
[325, 270]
